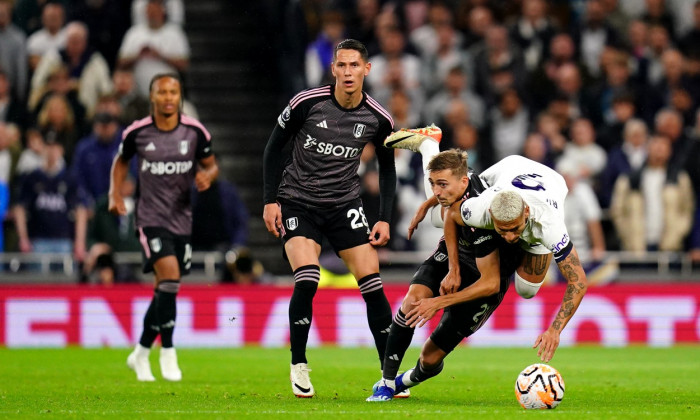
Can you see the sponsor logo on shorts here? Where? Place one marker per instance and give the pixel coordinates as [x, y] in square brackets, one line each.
[440, 257]
[292, 223]
[359, 130]
[156, 245]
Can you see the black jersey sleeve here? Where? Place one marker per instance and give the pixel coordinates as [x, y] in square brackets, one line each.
[203, 145]
[485, 242]
[387, 182]
[127, 149]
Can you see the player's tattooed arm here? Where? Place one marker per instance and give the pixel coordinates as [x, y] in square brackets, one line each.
[576, 288]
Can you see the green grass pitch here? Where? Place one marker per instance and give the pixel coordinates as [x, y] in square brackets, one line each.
[251, 382]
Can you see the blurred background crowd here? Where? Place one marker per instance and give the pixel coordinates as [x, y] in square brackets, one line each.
[607, 92]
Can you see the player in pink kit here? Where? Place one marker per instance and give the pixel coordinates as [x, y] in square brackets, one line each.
[173, 151]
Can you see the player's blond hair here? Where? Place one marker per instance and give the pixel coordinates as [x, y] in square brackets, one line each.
[507, 206]
[454, 159]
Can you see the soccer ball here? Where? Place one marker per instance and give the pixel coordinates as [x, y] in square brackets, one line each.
[539, 386]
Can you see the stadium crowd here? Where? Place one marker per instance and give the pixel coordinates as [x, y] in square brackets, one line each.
[607, 92]
[73, 75]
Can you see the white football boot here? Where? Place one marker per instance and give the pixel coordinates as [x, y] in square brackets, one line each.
[139, 363]
[301, 383]
[412, 138]
[168, 365]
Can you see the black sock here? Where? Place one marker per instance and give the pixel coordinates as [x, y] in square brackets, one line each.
[399, 340]
[150, 324]
[301, 309]
[167, 310]
[378, 311]
[420, 374]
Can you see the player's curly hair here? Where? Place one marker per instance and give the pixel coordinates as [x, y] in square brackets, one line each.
[352, 44]
[454, 159]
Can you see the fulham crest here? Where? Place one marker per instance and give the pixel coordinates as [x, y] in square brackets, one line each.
[292, 223]
[359, 130]
[184, 147]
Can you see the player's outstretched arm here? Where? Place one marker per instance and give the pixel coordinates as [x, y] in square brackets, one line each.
[576, 286]
[488, 284]
[420, 214]
[206, 173]
[120, 168]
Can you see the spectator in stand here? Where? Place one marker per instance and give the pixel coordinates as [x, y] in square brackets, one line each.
[88, 70]
[643, 221]
[133, 106]
[616, 81]
[583, 154]
[624, 109]
[5, 155]
[51, 36]
[456, 86]
[154, 47]
[689, 43]
[658, 14]
[107, 21]
[57, 124]
[94, 153]
[693, 169]
[426, 38]
[174, 11]
[12, 110]
[582, 216]
[319, 54]
[391, 63]
[675, 89]
[669, 123]
[555, 139]
[27, 13]
[475, 25]
[498, 66]
[58, 83]
[508, 126]
[448, 55]
[623, 159]
[533, 32]
[616, 17]
[220, 224]
[50, 214]
[13, 54]
[109, 233]
[659, 42]
[592, 36]
[361, 26]
[32, 157]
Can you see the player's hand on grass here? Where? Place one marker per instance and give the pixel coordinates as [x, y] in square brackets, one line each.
[547, 342]
[272, 215]
[116, 205]
[450, 284]
[380, 234]
[422, 312]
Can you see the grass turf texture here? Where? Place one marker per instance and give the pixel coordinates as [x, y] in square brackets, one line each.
[602, 383]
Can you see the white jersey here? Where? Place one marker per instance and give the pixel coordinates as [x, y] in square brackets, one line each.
[542, 189]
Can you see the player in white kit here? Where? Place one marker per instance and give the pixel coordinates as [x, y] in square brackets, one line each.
[524, 204]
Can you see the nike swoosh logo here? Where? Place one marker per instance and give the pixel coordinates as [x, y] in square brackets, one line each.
[391, 143]
[304, 390]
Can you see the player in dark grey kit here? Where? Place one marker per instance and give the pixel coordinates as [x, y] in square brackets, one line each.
[317, 193]
[486, 263]
[173, 151]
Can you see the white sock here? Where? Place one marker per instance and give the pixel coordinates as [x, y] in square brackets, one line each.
[525, 288]
[428, 149]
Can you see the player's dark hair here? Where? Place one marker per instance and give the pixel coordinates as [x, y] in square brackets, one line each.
[454, 159]
[163, 76]
[352, 44]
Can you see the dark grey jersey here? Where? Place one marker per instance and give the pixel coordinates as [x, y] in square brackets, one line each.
[326, 146]
[167, 167]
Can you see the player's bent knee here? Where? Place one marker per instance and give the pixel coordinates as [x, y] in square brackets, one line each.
[525, 288]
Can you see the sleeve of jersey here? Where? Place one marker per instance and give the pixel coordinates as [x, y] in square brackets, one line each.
[475, 212]
[387, 174]
[204, 149]
[485, 243]
[287, 125]
[556, 238]
[127, 149]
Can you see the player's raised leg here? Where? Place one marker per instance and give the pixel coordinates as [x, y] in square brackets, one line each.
[425, 141]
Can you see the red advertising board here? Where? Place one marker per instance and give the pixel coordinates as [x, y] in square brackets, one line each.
[232, 316]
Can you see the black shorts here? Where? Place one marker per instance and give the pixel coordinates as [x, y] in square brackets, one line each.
[345, 227]
[435, 268]
[157, 243]
[463, 320]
